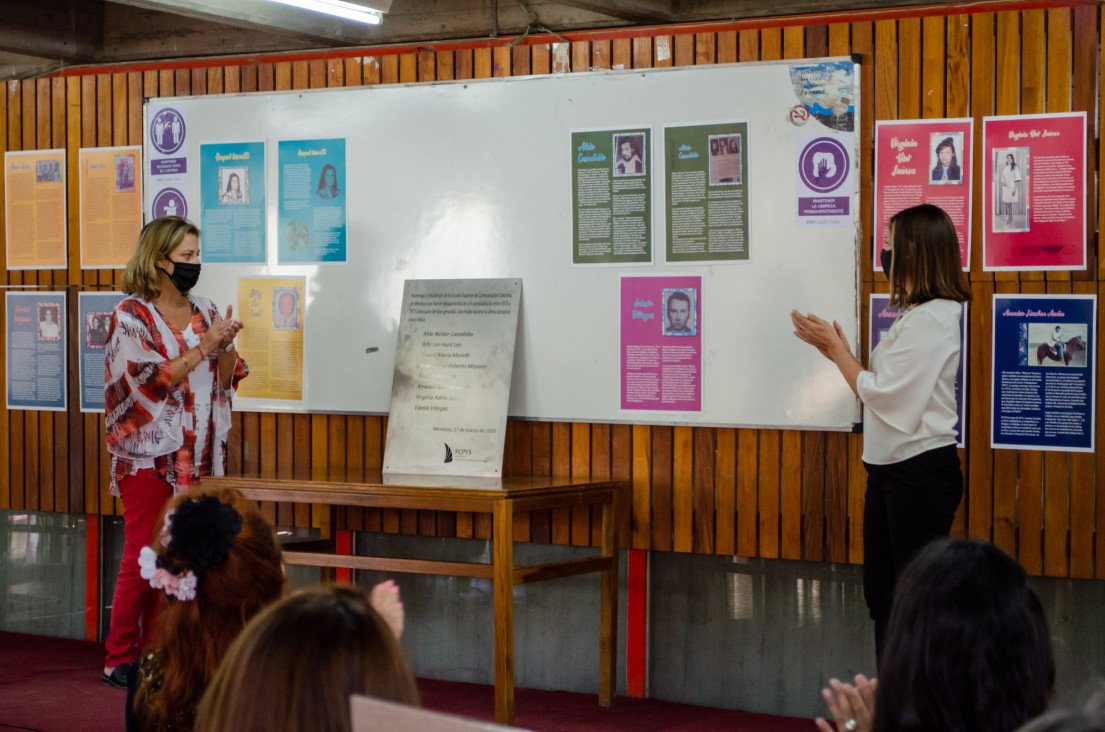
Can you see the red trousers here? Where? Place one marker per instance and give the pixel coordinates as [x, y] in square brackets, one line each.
[134, 609]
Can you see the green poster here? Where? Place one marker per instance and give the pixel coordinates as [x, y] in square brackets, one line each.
[611, 197]
[707, 192]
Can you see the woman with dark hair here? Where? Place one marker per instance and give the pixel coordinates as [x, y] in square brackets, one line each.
[967, 650]
[914, 480]
[296, 665]
[1010, 178]
[233, 192]
[218, 564]
[947, 163]
[328, 182]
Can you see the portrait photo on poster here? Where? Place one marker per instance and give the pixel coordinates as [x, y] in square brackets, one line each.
[629, 154]
[1061, 344]
[1010, 190]
[233, 186]
[95, 329]
[725, 160]
[946, 147]
[328, 182]
[285, 308]
[47, 171]
[124, 172]
[49, 328]
[680, 312]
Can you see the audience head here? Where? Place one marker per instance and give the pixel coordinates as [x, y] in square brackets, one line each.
[297, 663]
[967, 645]
[218, 563]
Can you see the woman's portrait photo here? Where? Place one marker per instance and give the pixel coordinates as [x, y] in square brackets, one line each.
[285, 308]
[233, 186]
[629, 151]
[49, 324]
[95, 329]
[946, 148]
[328, 182]
[1010, 189]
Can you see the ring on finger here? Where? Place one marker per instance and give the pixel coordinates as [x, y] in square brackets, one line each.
[850, 725]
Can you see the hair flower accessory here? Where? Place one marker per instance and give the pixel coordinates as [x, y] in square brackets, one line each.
[182, 587]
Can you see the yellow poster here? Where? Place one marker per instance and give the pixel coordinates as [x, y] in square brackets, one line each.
[111, 205]
[34, 198]
[271, 339]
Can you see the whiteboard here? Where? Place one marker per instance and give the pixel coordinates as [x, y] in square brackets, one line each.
[472, 179]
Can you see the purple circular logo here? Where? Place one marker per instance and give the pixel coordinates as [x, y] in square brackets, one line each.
[823, 165]
[169, 202]
[167, 131]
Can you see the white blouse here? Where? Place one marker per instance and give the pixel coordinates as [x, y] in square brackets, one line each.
[908, 393]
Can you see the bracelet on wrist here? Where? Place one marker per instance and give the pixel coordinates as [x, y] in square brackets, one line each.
[227, 348]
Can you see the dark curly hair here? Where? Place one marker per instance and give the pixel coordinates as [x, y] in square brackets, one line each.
[967, 648]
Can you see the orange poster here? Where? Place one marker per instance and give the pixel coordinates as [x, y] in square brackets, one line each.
[111, 205]
[271, 340]
[34, 198]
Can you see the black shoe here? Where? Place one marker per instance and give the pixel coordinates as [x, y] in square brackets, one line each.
[118, 675]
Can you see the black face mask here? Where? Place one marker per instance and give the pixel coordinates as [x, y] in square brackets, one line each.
[185, 275]
[884, 260]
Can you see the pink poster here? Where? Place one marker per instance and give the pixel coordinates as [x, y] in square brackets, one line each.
[1034, 192]
[661, 349]
[924, 161]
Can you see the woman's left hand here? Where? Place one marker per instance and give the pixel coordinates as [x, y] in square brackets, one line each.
[821, 334]
[853, 707]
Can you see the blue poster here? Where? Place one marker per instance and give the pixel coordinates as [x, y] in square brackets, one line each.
[36, 350]
[232, 195]
[881, 316]
[94, 311]
[312, 201]
[1042, 394]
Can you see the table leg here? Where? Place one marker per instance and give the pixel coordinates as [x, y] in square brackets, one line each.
[608, 613]
[503, 561]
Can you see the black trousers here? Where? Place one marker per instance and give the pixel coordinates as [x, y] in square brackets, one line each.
[908, 504]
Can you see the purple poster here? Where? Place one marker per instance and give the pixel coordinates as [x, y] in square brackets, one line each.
[661, 343]
[881, 316]
[824, 179]
[167, 138]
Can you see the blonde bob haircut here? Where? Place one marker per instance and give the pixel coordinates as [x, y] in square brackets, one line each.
[925, 253]
[157, 240]
[298, 662]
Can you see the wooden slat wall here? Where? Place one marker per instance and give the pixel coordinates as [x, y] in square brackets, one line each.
[769, 493]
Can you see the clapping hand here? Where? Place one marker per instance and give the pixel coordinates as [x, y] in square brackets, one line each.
[821, 334]
[852, 707]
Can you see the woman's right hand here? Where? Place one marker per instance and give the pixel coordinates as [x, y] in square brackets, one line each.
[220, 332]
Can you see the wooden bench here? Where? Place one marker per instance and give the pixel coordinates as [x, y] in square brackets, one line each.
[500, 498]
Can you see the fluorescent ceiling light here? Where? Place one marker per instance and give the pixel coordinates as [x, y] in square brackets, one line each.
[349, 11]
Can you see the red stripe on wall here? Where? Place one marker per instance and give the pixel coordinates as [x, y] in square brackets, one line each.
[636, 641]
[92, 577]
[343, 544]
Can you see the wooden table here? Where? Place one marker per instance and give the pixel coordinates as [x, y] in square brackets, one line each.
[500, 498]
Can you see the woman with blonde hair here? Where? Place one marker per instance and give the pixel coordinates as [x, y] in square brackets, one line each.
[218, 564]
[296, 665]
[171, 374]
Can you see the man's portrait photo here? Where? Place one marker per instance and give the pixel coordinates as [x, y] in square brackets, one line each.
[95, 329]
[679, 312]
[629, 154]
[49, 323]
[285, 308]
